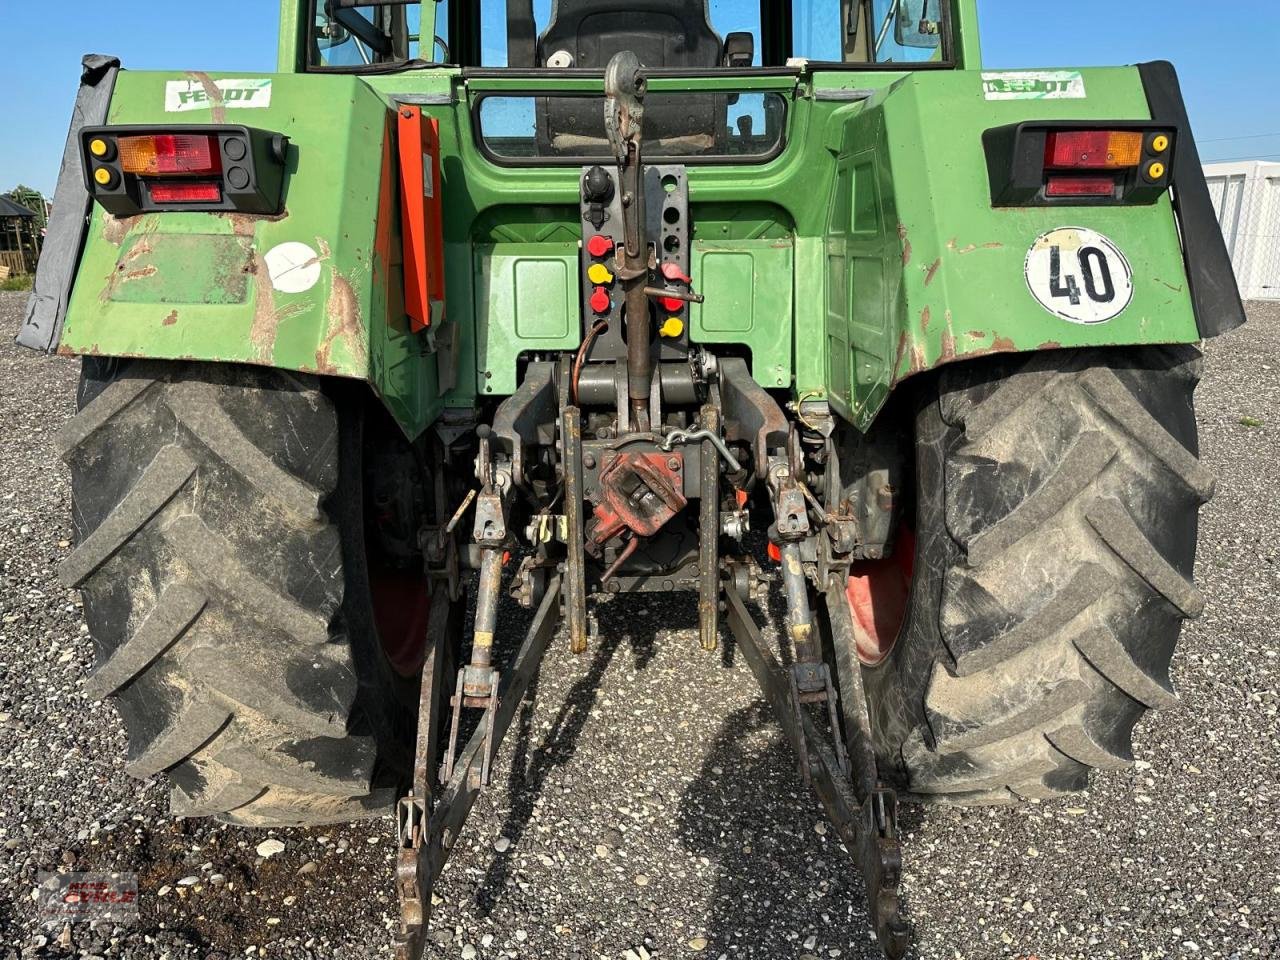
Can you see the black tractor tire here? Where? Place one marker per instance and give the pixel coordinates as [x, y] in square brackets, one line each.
[220, 556]
[1056, 502]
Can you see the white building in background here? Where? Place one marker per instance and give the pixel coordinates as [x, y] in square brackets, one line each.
[1247, 198]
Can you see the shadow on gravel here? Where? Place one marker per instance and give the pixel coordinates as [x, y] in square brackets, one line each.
[531, 764]
[779, 881]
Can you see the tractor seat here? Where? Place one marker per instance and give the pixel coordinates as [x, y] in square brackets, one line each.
[675, 34]
[662, 33]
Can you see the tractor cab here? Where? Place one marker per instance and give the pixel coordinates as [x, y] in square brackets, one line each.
[680, 36]
[566, 40]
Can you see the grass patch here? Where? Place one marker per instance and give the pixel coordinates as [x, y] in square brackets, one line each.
[1250, 422]
[17, 283]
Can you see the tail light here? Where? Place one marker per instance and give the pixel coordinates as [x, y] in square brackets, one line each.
[1093, 150]
[1075, 163]
[1058, 186]
[169, 153]
[131, 169]
[185, 192]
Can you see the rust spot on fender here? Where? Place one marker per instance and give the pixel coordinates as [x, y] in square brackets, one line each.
[140, 249]
[93, 350]
[906, 244]
[171, 319]
[241, 224]
[262, 334]
[1050, 345]
[212, 92]
[909, 346]
[948, 341]
[932, 271]
[122, 274]
[953, 245]
[114, 229]
[267, 317]
[948, 347]
[998, 345]
[901, 352]
[925, 317]
[343, 312]
[150, 270]
[911, 350]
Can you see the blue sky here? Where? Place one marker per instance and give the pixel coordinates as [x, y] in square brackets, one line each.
[1226, 55]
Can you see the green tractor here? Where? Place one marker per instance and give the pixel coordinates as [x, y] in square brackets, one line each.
[574, 299]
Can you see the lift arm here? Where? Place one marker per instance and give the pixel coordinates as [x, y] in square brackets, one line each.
[425, 844]
[868, 826]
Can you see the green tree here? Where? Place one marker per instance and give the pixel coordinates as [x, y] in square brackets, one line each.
[33, 200]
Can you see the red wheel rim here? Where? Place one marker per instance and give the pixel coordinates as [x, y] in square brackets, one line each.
[401, 608]
[878, 593]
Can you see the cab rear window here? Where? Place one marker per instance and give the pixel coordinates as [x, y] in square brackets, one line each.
[739, 127]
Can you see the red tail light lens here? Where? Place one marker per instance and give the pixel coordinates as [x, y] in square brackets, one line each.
[1093, 150]
[169, 154]
[186, 192]
[1080, 187]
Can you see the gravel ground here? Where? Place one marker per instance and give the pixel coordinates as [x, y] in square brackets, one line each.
[652, 806]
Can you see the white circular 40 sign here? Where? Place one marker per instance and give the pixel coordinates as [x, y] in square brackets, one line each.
[1079, 275]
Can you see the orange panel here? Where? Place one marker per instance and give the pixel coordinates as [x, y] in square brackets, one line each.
[422, 217]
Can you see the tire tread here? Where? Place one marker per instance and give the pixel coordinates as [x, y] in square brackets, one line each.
[183, 589]
[1029, 702]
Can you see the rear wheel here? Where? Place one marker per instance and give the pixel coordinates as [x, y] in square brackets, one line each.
[1055, 525]
[222, 561]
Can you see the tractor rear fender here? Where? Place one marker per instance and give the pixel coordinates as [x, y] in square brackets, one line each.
[926, 267]
[299, 290]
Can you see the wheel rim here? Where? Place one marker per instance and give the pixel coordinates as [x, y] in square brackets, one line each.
[878, 592]
[401, 608]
